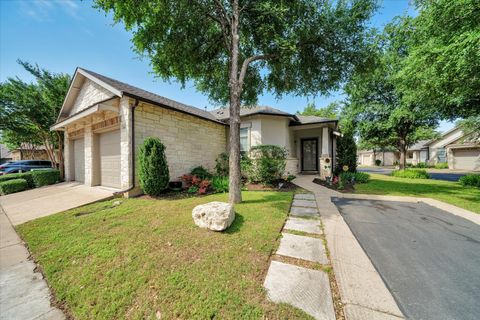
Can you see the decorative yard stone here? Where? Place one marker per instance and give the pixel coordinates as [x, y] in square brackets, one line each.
[216, 216]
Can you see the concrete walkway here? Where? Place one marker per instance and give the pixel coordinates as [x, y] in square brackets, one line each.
[24, 294]
[304, 288]
[363, 292]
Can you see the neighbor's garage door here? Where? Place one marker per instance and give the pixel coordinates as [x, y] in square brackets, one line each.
[467, 159]
[79, 159]
[110, 159]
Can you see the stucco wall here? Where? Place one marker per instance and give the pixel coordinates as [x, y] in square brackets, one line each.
[189, 141]
[89, 94]
[275, 131]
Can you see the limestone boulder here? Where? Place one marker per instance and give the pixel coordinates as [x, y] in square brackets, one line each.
[216, 216]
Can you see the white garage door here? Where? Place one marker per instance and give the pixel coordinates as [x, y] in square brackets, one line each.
[110, 159]
[79, 160]
[467, 159]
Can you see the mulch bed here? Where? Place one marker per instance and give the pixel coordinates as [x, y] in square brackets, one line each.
[348, 188]
[286, 187]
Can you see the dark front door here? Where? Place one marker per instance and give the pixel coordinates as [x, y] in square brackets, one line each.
[309, 155]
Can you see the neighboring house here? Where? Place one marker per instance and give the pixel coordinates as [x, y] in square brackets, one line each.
[26, 152]
[105, 121]
[452, 147]
[5, 154]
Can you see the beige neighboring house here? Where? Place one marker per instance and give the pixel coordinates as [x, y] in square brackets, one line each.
[452, 147]
[26, 152]
[105, 121]
[5, 154]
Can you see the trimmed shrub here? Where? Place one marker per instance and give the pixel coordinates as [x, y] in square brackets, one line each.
[153, 167]
[12, 186]
[470, 180]
[411, 174]
[360, 177]
[221, 165]
[268, 164]
[220, 184]
[45, 177]
[378, 162]
[24, 175]
[441, 165]
[346, 153]
[201, 172]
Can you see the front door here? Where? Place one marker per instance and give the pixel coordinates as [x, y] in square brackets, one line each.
[309, 155]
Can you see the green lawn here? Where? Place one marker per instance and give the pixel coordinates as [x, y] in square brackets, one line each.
[450, 192]
[146, 257]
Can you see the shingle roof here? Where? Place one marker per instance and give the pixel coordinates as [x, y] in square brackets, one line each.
[153, 98]
[224, 113]
[313, 119]
[419, 145]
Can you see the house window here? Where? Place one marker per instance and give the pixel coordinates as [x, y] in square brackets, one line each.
[410, 155]
[244, 141]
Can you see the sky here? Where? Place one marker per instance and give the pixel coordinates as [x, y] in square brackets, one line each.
[60, 35]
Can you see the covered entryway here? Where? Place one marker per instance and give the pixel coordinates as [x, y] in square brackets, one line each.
[109, 145]
[79, 160]
[310, 154]
[466, 159]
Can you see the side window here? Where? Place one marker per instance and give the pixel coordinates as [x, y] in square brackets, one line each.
[410, 155]
[244, 139]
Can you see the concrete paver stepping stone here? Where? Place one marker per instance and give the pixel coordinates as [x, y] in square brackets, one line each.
[304, 196]
[304, 225]
[300, 247]
[304, 212]
[304, 203]
[308, 290]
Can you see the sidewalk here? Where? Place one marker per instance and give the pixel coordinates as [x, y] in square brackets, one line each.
[24, 294]
[363, 292]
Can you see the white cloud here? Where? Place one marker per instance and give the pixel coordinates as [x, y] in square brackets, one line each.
[42, 10]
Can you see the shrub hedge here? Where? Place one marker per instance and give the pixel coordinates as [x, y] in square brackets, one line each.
[360, 177]
[411, 174]
[441, 165]
[220, 184]
[268, 163]
[25, 175]
[45, 177]
[470, 180]
[12, 186]
[201, 172]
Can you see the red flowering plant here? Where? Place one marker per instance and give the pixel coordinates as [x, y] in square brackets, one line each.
[195, 183]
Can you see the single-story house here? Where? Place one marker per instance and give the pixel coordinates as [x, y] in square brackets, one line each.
[105, 121]
[5, 154]
[27, 152]
[452, 147]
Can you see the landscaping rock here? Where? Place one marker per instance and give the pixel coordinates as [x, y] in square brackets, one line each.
[216, 216]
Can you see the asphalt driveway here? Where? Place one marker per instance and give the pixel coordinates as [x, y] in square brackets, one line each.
[441, 175]
[428, 258]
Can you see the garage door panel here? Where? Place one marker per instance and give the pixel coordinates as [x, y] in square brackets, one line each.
[79, 159]
[110, 159]
[467, 159]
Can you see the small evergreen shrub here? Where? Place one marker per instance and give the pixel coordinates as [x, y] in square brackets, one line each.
[411, 174]
[153, 167]
[378, 162]
[45, 177]
[24, 175]
[346, 153]
[220, 184]
[441, 165]
[268, 164]
[360, 177]
[470, 180]
[12, 186]
[222, 165]
[201, 172]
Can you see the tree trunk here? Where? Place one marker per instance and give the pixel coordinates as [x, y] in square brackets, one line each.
[235, 193]
[403, 151]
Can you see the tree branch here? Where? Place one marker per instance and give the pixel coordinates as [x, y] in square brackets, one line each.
[247, 62]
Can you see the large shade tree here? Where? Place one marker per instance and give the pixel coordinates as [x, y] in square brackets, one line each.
[235, 50]
[28, 110]
[376, 103]
[331, 111]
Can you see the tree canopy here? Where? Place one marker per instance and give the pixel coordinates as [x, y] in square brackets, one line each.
[235, 50]
[376, 104]
[331, 111]
[28, 110]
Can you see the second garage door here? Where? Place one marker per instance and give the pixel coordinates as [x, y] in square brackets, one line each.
[467, 159]
[79, 160]
[110, 159]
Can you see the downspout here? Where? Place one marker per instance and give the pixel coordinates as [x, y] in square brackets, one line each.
[133, 152]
